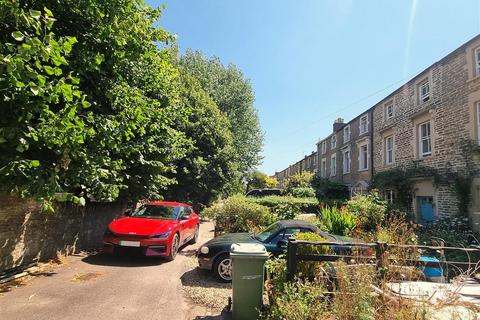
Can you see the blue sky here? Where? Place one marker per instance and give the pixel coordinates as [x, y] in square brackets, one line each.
[312, 61]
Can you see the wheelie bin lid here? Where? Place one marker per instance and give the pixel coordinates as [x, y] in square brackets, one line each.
[248, 250]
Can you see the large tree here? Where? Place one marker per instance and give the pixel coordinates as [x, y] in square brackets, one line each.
[209, 165]
[232, 92]
[90, 100]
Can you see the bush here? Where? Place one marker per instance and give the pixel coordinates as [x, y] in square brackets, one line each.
[303, 192]
[297, 301]
[370, 211]
[288, 207]
[310, 269]
[327, 189]
[238, 214]
[338, 221]
[299, 180]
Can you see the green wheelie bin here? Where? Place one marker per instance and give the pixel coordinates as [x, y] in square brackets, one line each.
[248, 262]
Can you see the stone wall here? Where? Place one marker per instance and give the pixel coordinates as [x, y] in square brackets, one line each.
[450, 115]
[28, 235]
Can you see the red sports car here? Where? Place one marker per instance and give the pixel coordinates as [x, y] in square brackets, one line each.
[154, 229]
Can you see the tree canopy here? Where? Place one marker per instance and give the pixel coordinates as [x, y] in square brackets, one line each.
[96, 104]
[233, 94]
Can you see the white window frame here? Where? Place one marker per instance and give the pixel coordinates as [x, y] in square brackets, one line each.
[427, 138]
[324, 147]
[323, 168]
[364, 118]
[333, 142]
[363, 166]
[387, 114]
[476, 53]
[422, 98]
[346, 137]
[389, 155]
[347, 164]
[333, 165]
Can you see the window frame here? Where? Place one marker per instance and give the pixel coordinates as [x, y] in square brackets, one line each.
[421, 139]
[389, 160]
[365, 116]
[346, 169]
[421, 97]
[333, 165]
[345, 139]
[360, 157]
[323, 167]
[386, 113]
[476, 56]
[333, 141]
[324, 146]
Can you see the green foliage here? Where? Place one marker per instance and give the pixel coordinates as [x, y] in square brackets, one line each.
[338, 221]
[41, 127]
[303, 192]
[94, 107]
[207, 168]
[310, 269]
[287, 207]
[370, 210]
[233, 94]
[260, 180]
[297, 301]
[238, 214]
[299, 180]
[327, 189]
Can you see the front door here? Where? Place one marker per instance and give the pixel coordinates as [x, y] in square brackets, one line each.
[425, 209]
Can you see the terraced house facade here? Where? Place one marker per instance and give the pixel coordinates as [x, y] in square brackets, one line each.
[431, 122]
[345, 155]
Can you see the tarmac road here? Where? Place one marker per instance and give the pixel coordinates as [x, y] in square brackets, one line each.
[99, 286]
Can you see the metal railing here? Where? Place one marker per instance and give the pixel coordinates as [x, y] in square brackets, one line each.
[380, 259]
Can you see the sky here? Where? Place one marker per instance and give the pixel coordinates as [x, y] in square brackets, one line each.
[311, 62]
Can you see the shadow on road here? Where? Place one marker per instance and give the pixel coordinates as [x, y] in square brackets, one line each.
[223, 316]
[130, 258]
[203, 279]
[127, 260]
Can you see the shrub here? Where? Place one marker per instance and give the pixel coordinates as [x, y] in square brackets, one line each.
[287, 207]
[297, 301]
[310, 269]
[303, 192]
[327, 189]
[338, 221]
[238, 214]
[299, 180]
[370, 210]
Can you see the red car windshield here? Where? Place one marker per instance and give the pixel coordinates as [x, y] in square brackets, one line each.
[158, 212]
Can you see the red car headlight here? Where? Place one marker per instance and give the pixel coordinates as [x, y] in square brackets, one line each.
[162, 235]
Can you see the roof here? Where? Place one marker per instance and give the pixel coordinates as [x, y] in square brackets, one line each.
[167, 203]
[295, 223]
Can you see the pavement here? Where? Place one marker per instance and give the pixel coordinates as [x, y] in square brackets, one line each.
[99, 286]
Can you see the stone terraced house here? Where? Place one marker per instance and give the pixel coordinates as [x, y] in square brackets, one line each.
[432, 121]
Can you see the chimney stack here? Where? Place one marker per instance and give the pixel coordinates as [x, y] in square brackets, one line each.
[338, 124]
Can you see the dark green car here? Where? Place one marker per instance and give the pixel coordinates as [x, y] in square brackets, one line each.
[215, 254]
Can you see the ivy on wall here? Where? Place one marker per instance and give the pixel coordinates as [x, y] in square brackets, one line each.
[402, 179]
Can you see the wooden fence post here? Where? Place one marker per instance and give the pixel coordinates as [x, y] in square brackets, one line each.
[380, 249]
[291, 259]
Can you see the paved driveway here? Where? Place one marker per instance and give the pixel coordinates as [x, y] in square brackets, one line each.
[105, 287]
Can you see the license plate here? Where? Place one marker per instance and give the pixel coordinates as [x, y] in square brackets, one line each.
[129, 243]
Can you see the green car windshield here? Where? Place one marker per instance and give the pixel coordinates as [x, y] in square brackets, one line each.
[157, 212]
[267, 233]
